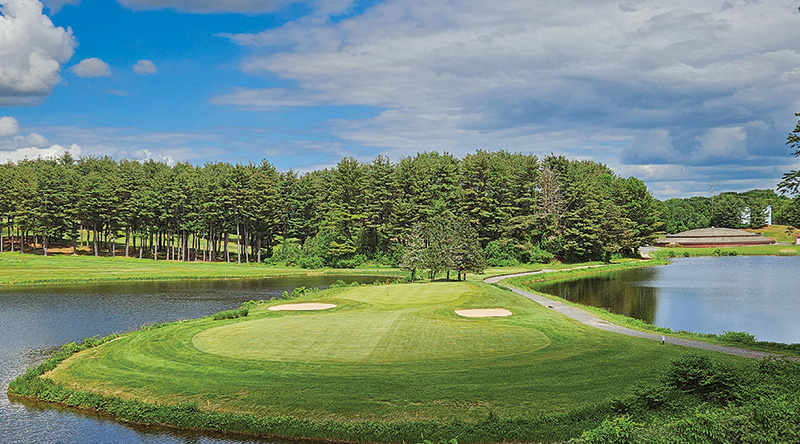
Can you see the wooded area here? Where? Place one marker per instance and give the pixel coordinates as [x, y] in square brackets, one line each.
[729, 210]
[519, 207]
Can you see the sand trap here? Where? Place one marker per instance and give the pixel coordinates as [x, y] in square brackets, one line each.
[483, 313]
[301, 307]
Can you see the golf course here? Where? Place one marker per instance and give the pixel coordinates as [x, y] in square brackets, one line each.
[386, 353]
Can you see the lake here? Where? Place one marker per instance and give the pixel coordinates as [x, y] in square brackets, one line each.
[757, 294]
[35, 321]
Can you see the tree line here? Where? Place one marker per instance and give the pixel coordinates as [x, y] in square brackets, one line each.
[513, 207]
[729, 210]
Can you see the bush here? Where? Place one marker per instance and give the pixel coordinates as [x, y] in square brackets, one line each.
[698, 375]
[310, 262]
[231, 314]
[287, 252]
[347, 263]
[618, 431]
[501, 253]
[738, 337]
[299, 291]
[338, 284]
[533, 254]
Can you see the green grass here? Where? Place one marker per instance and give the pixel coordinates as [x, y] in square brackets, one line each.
[777, 232]
[756, 250]
[389, 353]
[30, 269]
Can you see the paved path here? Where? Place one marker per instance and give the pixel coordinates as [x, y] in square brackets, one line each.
[586, 318]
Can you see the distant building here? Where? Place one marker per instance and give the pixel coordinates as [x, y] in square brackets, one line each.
[714, 237]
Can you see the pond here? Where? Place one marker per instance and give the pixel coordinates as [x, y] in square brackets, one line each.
[35, 321]
[757, 294]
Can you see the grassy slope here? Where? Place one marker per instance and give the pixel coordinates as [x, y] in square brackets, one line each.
[777, 232]
[758, 250]
[413, 359]
[27, 269]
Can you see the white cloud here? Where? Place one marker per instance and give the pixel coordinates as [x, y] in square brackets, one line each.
[32, 153]
[15, 146]
[8, 126]
[690, 82]
[723, 143]
[32, 51]
[208, 6]
[36, 140]
[55, 5]
[143, 67]
[91, 67]
[266, 99]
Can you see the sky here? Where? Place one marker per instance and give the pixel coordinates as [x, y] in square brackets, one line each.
[681, 94]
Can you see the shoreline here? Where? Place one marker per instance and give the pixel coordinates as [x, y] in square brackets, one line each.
[587, 315]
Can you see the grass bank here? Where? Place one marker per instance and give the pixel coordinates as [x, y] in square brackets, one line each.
[27, 269]
[756, 250]
[388, 364]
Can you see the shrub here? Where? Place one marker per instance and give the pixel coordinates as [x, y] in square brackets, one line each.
[739, 337]
[347, 263]
[619, 430]
[310, 262]
[299, 291]
[698, 375]
[287, 252]
[338, 284]
[231, 314]
[500, 253]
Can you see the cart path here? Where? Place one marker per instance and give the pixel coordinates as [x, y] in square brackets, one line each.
[586, 318]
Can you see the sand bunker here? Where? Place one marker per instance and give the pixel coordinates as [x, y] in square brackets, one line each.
[301, 307]
[483, 313]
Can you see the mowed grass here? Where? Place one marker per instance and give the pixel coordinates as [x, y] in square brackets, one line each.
[394, 325]
[29, 269]
[755, 250]
[777, 232]
[394, 352]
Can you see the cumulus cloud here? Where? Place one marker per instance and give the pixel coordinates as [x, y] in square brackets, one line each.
[91, 67]
[208, 6]
[143, 67]
[8, 126]
[15, 146]
[32, 51]
[628, 84]
[55, 5]
[31, 153]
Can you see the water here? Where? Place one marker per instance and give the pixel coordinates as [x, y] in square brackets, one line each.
[757, 294]
[35, 321]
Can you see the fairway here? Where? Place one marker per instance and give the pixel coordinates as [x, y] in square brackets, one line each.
[396, 352]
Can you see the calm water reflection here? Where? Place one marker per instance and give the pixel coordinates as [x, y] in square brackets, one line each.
[758, 294]
[33, 322]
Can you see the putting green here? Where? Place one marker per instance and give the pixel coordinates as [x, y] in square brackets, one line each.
[398, 335]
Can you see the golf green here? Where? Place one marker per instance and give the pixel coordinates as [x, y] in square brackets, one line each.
[395, 326]
[397, 352]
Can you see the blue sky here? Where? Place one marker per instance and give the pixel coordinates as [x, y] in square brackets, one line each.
[679, 95]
